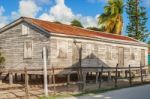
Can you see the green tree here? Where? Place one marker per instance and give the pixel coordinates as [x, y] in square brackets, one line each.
[137, 15]
[111, 20]
[57, 22]
[2, 60]
[96, 29]
[76, 23]
[148, 42]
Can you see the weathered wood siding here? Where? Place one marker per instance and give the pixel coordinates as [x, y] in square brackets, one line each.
[12, 47]
[95, 53]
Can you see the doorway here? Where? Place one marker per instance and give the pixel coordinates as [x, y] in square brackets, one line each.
[77, 54]
[121, 56]
[142, 57]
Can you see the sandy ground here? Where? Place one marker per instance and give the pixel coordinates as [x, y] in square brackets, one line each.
[141, 92]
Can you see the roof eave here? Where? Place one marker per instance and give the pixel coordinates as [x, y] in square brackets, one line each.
[103, 39]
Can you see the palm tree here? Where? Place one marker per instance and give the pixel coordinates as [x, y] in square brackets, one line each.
[112, 19]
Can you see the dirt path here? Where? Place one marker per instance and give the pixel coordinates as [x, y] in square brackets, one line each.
[141, 92]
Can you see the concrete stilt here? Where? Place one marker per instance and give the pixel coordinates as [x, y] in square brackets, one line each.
[10, 78]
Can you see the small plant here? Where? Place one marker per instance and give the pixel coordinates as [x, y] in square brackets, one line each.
[2, 61]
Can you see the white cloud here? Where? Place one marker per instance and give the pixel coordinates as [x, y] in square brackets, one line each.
[27, 8]
[60, 12]
[3, 19]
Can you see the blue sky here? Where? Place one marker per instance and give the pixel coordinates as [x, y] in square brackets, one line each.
[61, 10]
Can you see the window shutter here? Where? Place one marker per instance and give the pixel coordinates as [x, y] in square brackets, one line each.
[25, 29]
[108, 53]
[28, 49]
[62, 49]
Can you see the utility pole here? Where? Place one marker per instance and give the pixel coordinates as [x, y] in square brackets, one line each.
[45, 71]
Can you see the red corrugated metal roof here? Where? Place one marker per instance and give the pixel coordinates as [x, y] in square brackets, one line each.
[76, 31]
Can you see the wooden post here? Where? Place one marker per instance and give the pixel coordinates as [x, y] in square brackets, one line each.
[22, 76]
[141, 74]
[50, 78]
[53, 71]
[126, 74]
[10, 78]
[80, 78]
[116, 76]
[130, 79]
[16, 78]
[84, 80]
[30, 77]
[96, 78]
[109, 76]
[100, 80]
[68, 80]
[119, 72]
[26, 83]
[45, 71]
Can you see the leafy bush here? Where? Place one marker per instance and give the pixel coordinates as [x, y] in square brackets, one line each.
[2, 61]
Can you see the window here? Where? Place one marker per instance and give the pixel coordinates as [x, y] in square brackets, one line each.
[25, 29]
[108, 52]
[62, 48]
[28, 49]
[132, 54]
[90, 51]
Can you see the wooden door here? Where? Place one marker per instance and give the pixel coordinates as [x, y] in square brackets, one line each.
[121, 56]
[77, 52]
[142, 57]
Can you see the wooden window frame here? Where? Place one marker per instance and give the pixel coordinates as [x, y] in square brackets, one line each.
[143, 57]
[58, 49]
[132, 54]
[26, 56]
[108, 51]
[123, 56]
[25, 32]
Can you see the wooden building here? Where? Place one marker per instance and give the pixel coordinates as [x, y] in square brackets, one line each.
[22, 41]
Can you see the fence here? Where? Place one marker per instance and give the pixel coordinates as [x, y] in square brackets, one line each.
[81, 74]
